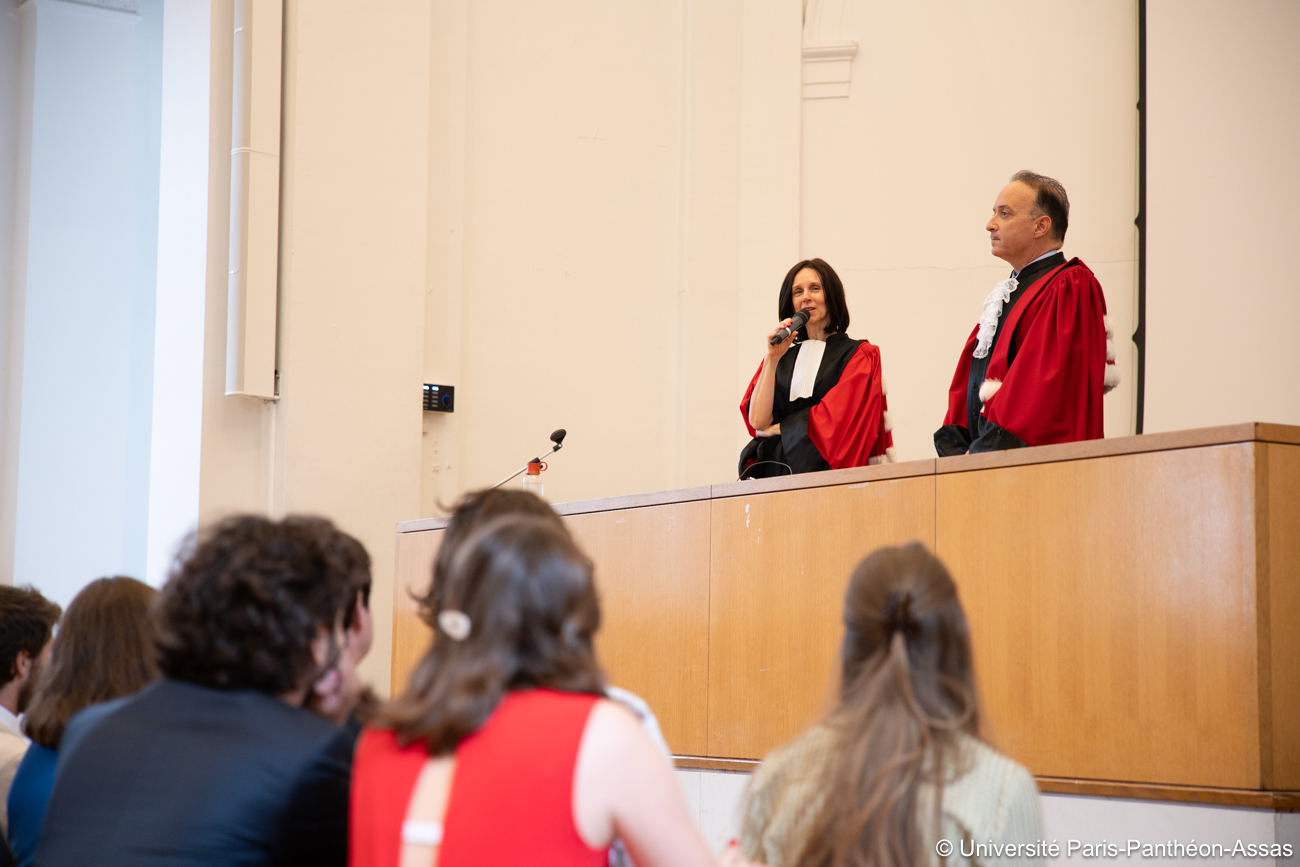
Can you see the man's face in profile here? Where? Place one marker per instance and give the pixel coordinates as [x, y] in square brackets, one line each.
[34, 677]
[1011, 228]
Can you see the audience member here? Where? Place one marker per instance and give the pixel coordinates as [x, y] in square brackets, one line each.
[219, 762]
[26, 626]
[104, 650]
[503, 750]
[899, 765]
[339, 695]
[478, 508]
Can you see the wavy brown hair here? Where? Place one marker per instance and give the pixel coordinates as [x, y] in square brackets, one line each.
[528, 593]
[473, 511]
[104, 650]
[907, 695]
[249, 595]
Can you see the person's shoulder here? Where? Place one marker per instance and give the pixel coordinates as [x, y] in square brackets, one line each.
[992, 788]
[1075, 272]
[805, 756]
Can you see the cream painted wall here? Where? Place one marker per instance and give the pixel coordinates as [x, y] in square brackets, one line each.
[899, 178]
[1223, 125]
[343, 440]
[605, 181]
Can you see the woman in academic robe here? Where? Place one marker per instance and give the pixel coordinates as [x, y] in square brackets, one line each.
[817, 401]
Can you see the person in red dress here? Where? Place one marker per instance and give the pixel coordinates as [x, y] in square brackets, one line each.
[503, 750]
[818, 399]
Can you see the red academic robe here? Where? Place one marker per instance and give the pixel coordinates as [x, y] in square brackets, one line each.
[1064, 362]
[849, 425]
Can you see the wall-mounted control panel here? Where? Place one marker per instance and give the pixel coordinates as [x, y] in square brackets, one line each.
[439, 398]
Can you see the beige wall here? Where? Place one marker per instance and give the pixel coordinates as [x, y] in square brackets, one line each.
[1223, 158]
[343, 440]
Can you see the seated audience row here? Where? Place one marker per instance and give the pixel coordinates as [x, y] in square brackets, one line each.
[508, 746]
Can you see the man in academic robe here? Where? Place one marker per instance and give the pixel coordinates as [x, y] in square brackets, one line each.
[1035, 367]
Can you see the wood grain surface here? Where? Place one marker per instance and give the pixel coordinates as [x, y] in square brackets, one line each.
[780, 564]
[652, 573]
[411, 637]
[1283, 581]
[1113, 612]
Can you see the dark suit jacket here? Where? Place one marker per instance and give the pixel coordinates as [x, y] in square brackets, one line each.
[180, 774]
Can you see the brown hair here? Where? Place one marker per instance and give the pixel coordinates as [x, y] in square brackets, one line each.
[528, 593]
[1049, 199]
[837, 308]
[907, 693]
[104, 650]
[248, 596]
[26, 623]
[473, 511]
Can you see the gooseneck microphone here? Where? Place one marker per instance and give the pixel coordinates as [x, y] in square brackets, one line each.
[799, 320]
[557, 437]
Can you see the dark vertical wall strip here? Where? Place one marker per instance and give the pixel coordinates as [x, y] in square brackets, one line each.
[1140, 335]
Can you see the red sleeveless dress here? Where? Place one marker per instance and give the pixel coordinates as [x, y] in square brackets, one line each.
[511, 799]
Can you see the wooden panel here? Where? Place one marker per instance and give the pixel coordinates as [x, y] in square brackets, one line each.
[652, 571]
[1088, 449]
[1284, 610]
[825, 479]
[415, 553]
[1112, 604]
[779, 567]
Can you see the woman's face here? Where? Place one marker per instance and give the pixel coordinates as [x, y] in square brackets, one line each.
[807, 295]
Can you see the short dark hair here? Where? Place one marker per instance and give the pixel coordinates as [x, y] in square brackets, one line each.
[247, 598]
[26, 623]
[833, 290]
[1049, 199]
[532, 609]
[104, 650]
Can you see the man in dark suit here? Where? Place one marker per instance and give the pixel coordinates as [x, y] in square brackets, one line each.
[219, 763]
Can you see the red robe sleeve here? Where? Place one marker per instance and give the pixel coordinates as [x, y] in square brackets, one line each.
[960, 380]
[1052, 392]
[849, 427]
[744, 402]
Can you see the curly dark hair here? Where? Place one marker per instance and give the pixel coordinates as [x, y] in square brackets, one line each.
[246, 599]
[26, 623]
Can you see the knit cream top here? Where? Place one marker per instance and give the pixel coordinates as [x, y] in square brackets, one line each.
[993, 803]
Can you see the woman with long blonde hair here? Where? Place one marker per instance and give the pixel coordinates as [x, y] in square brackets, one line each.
[899, 766]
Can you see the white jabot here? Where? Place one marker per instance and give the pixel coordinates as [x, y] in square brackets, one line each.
[11, 722]
[806, 366]
[422, 833]
[1000, 295]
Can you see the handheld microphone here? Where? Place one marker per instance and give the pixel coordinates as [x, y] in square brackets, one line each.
[799, 320]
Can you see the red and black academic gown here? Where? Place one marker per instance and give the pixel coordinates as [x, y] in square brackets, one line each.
[1051, 361]
[844, 424]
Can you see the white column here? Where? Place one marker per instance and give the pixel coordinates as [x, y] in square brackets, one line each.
[182, 275]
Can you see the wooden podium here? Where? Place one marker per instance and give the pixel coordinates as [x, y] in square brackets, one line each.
[1134, 603]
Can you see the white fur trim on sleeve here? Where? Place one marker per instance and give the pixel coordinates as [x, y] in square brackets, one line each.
[988, 388]
[1110, 329]
[1110, 352]
[889, 457]
[884, 387]
[889, 421]
[1112, 379]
